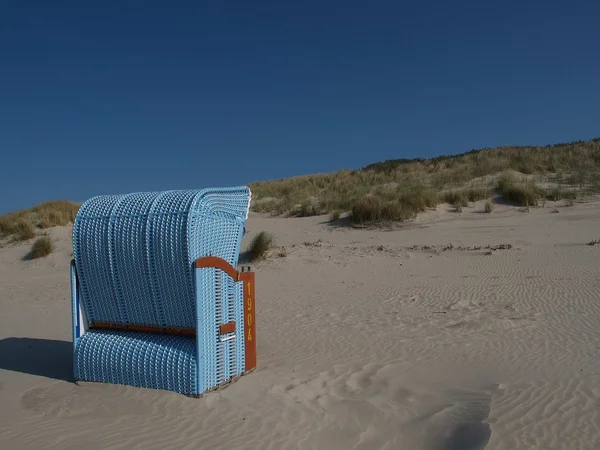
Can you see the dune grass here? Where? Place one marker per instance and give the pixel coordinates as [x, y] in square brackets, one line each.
[56, 213]
[456, 198]
[399, 189]
[523, 192]
[466, 195]
[403, 186]
[368, 209]
[21, 225]
[260, 246]
[307, 209]
[43, 246]
[23, 231]
[395, 205]
[12, 223]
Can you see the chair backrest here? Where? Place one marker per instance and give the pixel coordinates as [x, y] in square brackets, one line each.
[134, 253]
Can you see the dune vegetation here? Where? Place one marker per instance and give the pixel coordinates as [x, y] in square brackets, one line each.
[42, 246]
[397, 190]
[22, 225]
[400, 189]
[260, 246]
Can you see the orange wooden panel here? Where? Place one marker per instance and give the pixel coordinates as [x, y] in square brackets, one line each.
[218, 263]
[249, 320]
[248, 279]
[227, 328]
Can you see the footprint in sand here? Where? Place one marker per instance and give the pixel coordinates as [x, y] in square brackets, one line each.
[460, 423]
[382, 400]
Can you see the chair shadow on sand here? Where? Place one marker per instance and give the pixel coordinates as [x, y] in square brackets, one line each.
[42, 357]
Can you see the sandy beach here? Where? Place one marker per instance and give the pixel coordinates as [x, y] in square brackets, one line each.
[454, 332]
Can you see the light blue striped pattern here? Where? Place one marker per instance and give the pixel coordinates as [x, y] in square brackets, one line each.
[137, 359]
[207, 330]
[91, 251]
[134, 257]
[134, 253]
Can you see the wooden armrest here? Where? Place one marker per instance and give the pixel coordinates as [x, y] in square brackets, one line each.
[218, 263]
[249, 308]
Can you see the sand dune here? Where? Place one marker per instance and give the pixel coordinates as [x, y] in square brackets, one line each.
[417, 338]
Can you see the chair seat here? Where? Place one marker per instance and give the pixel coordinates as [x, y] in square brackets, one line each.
[138, 359]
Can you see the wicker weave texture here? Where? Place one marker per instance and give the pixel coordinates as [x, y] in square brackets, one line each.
[239, 356]
[134, 253]
[134, 259]
[138, 359]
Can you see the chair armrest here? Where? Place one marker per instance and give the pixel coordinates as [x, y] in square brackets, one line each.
[248, 327]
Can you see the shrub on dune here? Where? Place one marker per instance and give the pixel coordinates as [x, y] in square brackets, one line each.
[43, 246]
[260, 245]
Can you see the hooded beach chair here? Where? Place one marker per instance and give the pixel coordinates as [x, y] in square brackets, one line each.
[157, 300]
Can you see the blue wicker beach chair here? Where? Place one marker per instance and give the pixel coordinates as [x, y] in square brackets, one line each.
[156, 298]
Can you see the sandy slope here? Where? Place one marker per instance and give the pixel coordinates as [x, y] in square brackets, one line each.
[367, 340]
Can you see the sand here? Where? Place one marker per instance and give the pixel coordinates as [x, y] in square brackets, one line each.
[367, 339]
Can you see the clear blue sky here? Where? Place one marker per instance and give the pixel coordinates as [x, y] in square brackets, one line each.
[130, 96]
